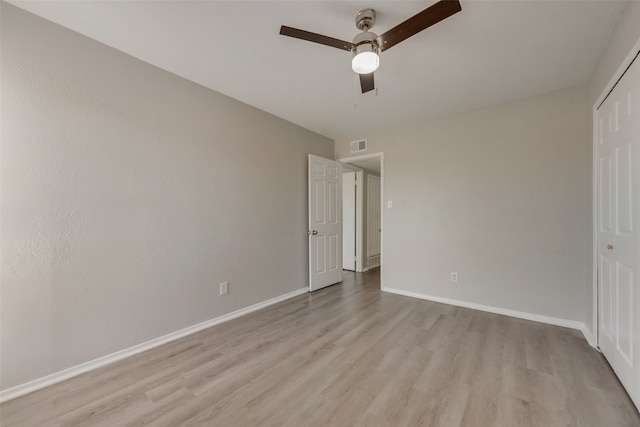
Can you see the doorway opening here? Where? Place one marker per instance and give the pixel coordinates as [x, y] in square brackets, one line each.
[363, 212]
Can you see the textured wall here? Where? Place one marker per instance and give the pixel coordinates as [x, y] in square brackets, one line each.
[128, 194]
[497, 194]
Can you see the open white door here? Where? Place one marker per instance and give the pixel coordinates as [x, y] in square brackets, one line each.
[325, 222]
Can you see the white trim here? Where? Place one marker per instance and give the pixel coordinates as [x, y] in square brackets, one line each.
[594, 190]
[594, 228]
[31, 386]
[618, 74]
[591, 339]
[573, 324]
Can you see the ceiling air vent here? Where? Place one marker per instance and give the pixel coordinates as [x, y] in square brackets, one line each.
[358, 146]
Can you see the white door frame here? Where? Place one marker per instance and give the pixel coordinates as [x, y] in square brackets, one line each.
[594, 339]
[381, 157]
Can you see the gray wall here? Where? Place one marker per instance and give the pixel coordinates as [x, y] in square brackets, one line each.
[128, 194]
[497, 194]
[625, 36]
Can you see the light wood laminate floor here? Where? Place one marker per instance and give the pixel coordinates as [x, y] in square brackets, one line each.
[348, 355]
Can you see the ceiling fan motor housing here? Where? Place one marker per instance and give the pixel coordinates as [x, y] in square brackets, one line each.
[365, 19]
[366, 37]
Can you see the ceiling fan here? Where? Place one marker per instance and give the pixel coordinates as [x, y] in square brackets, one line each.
[366, 45]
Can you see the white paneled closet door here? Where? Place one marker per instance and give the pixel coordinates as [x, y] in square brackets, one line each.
[349, 221]
[618, 169]
[373, 221]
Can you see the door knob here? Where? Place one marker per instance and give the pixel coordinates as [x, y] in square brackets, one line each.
[314, 232]
[610, 247]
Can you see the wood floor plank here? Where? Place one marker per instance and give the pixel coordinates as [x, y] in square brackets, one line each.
[347, 355]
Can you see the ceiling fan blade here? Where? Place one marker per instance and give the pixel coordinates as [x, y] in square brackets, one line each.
[316, 38]
[423, 20]
[366, 82]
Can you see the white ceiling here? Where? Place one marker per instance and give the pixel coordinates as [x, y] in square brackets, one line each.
[490, 52]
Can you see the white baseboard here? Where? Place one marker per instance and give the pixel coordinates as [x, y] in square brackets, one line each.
[590, 337]
[504, 311]
[31, 386]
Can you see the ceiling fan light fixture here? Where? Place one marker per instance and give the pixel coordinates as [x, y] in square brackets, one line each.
[365, 58]
[366, 45]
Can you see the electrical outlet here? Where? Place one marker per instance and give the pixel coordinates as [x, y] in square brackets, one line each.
[454, 277]
[224, 288]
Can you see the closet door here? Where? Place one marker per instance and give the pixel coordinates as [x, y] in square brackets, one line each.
[373, 221]
[618, 167]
